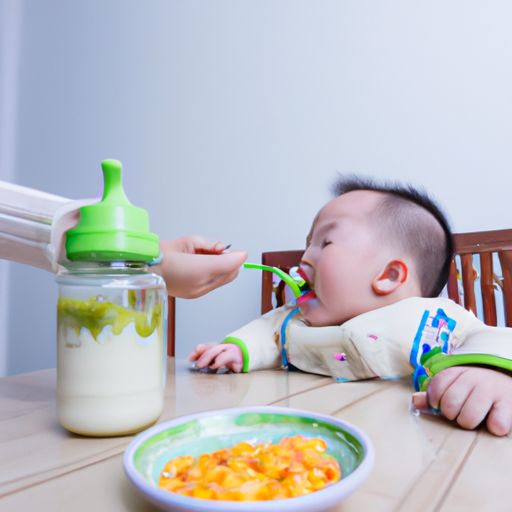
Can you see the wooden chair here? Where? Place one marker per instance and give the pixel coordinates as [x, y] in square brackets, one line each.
[171, 326]
[473, 261]
[484, 256]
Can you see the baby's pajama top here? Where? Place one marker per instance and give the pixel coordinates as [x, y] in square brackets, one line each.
[386, 342]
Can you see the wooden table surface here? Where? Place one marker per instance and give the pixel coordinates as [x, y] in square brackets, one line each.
[422, 463]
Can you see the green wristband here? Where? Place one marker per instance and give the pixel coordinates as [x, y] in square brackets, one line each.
[243, 347]
[438, 361]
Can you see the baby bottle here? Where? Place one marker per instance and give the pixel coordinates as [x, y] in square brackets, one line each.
[112, 316]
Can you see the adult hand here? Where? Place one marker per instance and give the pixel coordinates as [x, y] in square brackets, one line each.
[469, 395]
[193, 265]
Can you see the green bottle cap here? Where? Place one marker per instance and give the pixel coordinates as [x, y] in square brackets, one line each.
[112, 229]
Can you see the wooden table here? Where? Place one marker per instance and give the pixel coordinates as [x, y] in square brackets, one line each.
[422, 463]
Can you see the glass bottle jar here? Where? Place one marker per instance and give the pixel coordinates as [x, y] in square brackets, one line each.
[111, 354]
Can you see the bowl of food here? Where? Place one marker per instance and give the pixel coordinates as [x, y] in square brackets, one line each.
[251, 459]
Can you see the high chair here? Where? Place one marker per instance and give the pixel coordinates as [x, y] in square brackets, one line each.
[484, 257]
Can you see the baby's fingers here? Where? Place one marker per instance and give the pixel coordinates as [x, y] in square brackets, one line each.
[420, 401]
[230, 357]
[224, 359]
[440, 383]
[208, 356]
[475, 409]
[197, 352]
[499, 420]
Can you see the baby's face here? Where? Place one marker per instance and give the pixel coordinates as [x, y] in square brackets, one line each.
[342, 259]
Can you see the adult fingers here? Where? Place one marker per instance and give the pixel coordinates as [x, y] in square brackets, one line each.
[222, 264]
[220, 280]
[216, 270]
[212, 248]
[191, 275]
[186, 244]
[199, 244]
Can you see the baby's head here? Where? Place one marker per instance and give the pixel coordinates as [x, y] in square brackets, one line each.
[373, 245]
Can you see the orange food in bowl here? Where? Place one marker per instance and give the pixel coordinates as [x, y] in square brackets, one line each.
[295, 466]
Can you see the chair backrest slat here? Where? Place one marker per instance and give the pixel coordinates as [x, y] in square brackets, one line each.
[171, 326]
[453, 286]
[487, 288]
[506, 269]
[468, 281]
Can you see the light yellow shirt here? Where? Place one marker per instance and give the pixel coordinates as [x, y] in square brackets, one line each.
[374, 344]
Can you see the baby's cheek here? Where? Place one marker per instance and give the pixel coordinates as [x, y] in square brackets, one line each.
[331, 289]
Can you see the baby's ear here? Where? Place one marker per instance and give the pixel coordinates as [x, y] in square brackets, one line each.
[391, 278]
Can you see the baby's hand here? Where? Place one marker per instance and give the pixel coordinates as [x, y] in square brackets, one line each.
[225, 355]
[469, 395]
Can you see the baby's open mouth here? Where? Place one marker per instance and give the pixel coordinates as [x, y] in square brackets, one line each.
[302, 273]
[307, 295]
[307, 291]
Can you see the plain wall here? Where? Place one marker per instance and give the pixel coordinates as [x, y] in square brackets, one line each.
[10, 43]
[232, 119]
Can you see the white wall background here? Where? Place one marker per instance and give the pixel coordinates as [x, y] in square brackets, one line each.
[10, 42]
[233, 117]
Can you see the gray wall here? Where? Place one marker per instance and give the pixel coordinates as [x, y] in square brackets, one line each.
[233, 117]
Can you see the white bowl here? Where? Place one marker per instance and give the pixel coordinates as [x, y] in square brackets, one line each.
[148, 452]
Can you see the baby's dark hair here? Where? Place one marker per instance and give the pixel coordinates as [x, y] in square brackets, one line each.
[401, 214]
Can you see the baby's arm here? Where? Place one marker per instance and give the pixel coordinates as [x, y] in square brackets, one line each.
[214, 357]
[254, 346]
[470, 395]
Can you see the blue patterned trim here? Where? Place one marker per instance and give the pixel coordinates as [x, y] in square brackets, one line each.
[284, 357]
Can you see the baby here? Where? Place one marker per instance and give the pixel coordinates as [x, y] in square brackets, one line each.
[377, 258]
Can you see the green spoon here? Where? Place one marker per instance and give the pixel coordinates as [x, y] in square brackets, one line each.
[280, 273]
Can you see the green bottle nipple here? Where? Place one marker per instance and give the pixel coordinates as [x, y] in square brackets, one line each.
[112, 229]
